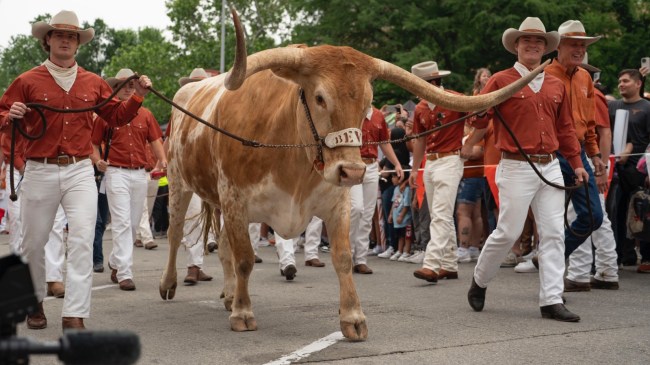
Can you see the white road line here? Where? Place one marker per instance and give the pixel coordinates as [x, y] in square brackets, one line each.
[306, 351]
[95, 288]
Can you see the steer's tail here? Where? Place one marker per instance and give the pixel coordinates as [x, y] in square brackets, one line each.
[211, 219]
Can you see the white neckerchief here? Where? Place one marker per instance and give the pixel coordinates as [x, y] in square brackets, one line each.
[432, 105]
[64, 77]
[369, 113]
[536, 84]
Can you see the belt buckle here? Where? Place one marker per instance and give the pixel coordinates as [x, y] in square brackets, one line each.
[63, 160]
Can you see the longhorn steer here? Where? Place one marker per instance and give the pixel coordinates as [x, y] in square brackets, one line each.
[282, 187]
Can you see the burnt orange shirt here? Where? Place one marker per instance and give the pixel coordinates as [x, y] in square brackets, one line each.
[129, 142]
[66, 134]
[491, 154]
[374, 130]
[445, 140]
[541, 121]
[19, 152]
[580, 93]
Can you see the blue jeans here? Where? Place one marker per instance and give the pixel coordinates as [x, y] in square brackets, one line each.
[100, 227]
[582, 225]
[386, 204]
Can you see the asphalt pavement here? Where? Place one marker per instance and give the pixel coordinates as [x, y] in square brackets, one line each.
[409, 321]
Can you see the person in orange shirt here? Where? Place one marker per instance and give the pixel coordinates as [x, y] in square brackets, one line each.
[579, 268]
[442, 173]
[58, 170]
[580, 89]
[363, 197]
[125, 177]
[541, 104]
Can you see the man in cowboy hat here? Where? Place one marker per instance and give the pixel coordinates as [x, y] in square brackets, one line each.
[604, 257]
[577, 82]
[58, 170]
[363, 197]
[125, 176]
[442, 173]
[544, 105]
[192, 233]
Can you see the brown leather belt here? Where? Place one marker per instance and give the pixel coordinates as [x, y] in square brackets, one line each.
[436, 155]
[128, 167]
[368, 160]
[541, 159]
[62, 160]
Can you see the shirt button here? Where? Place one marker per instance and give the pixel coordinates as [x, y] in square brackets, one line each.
[67, 107]
[66, 122]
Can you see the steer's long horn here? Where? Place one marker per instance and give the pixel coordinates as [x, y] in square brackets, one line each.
[237, 73]
[426, 91]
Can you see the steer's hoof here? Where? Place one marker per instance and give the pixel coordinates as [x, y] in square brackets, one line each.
[239, 324]
[357, 331]
[167, 293]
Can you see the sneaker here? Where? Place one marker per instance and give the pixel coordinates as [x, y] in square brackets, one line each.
[510, 260]
[529, 256]
[416, 258]
[263, 242]
[474, 253]
[526, 267]
[271, 238]
[388, 253]
[463, 255]
[325, 248]
[644, 268]
[396, 256]
[375, 251]
[404, 258]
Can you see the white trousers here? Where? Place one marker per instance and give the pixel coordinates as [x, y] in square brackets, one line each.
[519, 188]
[286, 249]
[441, 178]
[363, 200]
[13, 219]
[44, 188]
[126, 190]
[144, 228]
[55, 249]
[254, 234]
[192, 233]
[603, 239]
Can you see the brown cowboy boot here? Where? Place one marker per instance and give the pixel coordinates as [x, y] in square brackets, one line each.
[192, 275]
[55, 289]
[72, 323]
[203, 276]
[37, 321]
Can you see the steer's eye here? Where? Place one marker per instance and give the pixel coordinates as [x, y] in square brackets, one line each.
[320, 100]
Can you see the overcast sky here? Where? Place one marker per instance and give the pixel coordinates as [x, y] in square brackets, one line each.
[16, 15]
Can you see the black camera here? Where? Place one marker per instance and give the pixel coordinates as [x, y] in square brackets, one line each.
[17, 300]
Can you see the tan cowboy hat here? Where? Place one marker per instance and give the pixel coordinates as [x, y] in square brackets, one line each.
[587, 66]
[573, 29]
[121, 75]
[530, 26]
[197, 74]
[66, 21]
[428, 70]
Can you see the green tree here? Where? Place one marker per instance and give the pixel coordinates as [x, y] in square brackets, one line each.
[156, 57]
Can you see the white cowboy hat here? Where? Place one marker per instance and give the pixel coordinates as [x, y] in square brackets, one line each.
[530, 26]
[428, 70]
[587, 66]
[197, 74]
[121, 75]
[573, 29]
[65, 21]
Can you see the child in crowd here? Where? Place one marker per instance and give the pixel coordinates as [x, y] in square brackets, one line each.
[400, 216]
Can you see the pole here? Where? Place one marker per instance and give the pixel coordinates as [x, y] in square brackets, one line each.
[222, 66]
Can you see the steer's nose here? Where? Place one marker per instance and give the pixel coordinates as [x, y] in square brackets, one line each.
[351, 174]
